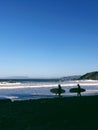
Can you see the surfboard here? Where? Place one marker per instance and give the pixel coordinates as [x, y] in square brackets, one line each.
[76, 90]
[56, 90]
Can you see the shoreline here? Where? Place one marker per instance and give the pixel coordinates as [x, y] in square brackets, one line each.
[71, 113]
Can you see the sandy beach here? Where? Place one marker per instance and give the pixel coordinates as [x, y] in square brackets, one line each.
[70, 113]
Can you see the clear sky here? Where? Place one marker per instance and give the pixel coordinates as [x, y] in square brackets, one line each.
[48, 38]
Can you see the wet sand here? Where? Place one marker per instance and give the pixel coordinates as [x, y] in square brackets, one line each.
[69, 113]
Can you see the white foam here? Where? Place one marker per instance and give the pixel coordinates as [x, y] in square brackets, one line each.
[18, 90]
[17, 85]
[7, 83]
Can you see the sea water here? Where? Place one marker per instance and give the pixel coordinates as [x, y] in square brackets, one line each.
[35, 89]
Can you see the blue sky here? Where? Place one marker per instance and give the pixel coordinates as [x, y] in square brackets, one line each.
[48, 38]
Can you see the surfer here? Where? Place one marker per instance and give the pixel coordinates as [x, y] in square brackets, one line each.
[79, 90]
[59, 90]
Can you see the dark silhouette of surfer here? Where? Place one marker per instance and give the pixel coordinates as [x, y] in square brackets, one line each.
[79, 90]
[59, 90]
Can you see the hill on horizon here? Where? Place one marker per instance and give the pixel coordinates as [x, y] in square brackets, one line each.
[90, 75]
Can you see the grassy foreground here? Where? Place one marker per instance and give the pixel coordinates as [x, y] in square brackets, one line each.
[70, 113]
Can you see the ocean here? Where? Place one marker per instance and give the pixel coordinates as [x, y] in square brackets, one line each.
[25, 89]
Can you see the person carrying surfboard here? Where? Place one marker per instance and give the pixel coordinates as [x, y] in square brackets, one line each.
[59, 90]
[79, 90]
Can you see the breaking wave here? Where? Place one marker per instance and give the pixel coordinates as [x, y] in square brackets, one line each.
[35, 90]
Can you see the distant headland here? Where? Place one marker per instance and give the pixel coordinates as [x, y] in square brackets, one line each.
[90, 75]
